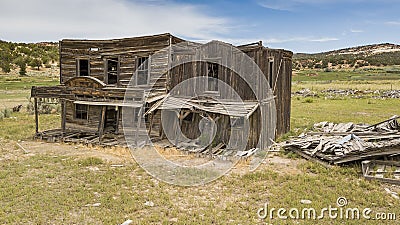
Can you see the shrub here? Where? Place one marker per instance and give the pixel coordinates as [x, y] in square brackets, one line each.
[7, 113]
[36, 63]
[90, 161]
[43, 108]
[22, 69]
[308, 100]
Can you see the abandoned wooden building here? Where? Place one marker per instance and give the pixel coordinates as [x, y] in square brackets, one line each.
[96, 74]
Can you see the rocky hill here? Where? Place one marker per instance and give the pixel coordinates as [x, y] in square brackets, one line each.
[360, 56]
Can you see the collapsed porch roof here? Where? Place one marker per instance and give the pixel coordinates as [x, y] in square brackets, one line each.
[224, 107]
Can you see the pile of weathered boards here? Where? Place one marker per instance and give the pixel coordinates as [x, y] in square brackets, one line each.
[348, 142]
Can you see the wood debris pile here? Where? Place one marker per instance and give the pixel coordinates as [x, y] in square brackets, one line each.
[305, 93]
[352, 93]
[389, 94]
[386, 171]
[347, 142]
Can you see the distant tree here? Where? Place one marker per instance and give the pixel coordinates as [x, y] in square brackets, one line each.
[5, 66]
[45, 59]
[20, 60]
[36, 63]
[22, 69]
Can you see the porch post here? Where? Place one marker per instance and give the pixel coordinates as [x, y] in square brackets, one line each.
[102, 121]
[36, 115]
[63, 114]
[117, 119]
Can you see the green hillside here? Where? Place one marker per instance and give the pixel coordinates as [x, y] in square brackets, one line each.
[17, 56]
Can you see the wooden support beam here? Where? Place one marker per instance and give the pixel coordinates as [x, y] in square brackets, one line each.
[162, 134]
[117, 119]
[151, 123]
[63, 114]
[102, 122]
[181, 117]
[139, 120]
[177, 126]
[36, 115]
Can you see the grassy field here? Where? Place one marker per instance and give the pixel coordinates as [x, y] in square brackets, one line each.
[307, 111]
[21, 83]
[64, 184]
[361, 74]
[15, 90]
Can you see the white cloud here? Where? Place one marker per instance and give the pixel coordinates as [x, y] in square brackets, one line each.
[300, 39]
[39, 20]
[277, 4]
[324, 39]
[290, 5]
[284, 40]
[393, 23]
[356, 31]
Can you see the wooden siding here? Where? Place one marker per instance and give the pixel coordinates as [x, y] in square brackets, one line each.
[280, 80]
[128, 50]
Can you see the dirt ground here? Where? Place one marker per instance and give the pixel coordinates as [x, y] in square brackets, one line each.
[117, 155]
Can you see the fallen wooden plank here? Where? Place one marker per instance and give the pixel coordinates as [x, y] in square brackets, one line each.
[377, 124]
[371, 174]
[23, 149]
[302, 154]
[367, 155]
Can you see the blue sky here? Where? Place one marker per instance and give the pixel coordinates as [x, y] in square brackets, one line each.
[297, 25]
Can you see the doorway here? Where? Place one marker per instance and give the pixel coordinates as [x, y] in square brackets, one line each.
[111, 119]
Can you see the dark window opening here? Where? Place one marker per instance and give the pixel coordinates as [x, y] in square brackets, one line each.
[83, 67]
[81, 111]
[189, 117]
[271, 72]
[142, 71]
[112, 71]
[212, 74]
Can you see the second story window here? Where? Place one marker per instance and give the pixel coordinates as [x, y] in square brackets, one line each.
[271, 72]
[82, 67]
[112, 70]
[142, 71]
[212, 74]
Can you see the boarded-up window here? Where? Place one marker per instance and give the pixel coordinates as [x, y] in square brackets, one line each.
[81, 111]
[142, 71]
[82, 67]
[212, 74]
[112, 71]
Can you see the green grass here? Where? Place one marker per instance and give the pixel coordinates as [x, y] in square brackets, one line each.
[25, 94]
[21, 126]
[45, 189]
[307, 111]
[9, 82]
[362, 74]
